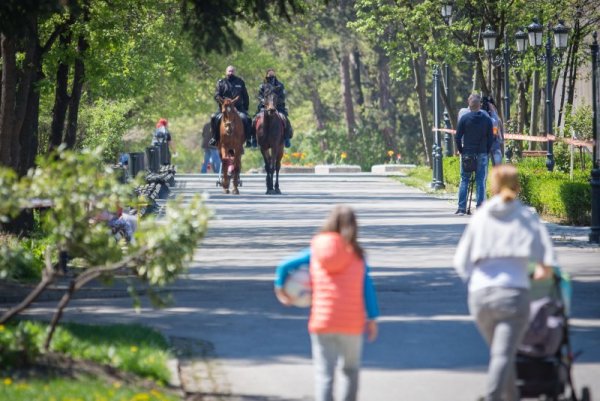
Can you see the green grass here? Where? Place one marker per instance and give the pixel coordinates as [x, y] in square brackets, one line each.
[420, 177]
[87, 389]
[132, 348]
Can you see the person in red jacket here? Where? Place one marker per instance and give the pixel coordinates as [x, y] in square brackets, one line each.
[344, 303]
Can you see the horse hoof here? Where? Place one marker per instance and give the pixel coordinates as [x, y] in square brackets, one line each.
[277, 191]
[226, 191]
[269, 192]
[236, 191]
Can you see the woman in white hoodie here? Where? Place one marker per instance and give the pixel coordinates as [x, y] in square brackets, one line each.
[502, 238]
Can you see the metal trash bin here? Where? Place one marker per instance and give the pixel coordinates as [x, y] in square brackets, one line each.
[136, 163]
[153, 154]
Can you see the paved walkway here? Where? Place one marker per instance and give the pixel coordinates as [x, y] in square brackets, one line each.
[256, 349]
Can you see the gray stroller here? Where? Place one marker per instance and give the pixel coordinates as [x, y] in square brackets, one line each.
[545, 357]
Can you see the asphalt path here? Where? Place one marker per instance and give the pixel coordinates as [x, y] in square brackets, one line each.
[257, 349]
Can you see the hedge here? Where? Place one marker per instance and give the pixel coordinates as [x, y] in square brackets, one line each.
[553, 194]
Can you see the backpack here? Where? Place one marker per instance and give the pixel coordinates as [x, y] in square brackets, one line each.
[160, 135]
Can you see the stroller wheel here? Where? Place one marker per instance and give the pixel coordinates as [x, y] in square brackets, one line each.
[585, 394]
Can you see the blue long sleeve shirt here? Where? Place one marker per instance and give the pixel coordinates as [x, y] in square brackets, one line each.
[474, 133]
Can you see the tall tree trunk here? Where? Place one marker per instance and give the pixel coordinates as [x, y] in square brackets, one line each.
[78, 80]
[61, 98]
[347, 93]
[446, 101]
[420, 88]
[315, 100]
[388, 125]
[30, 101]
[9, 139]
[355, 64]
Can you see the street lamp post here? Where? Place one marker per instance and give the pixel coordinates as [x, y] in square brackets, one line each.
[560, 33]
[489, 45]
[448, 145]
[438, 173]
[595, 180]
[507, 58]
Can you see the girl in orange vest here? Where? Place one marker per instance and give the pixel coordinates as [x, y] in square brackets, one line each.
[344, 304]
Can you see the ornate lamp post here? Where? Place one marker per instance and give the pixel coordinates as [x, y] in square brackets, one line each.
[489, 45]
[446, 12]
[561, 35]
[595, 180]
[507, 59]
[438, 173]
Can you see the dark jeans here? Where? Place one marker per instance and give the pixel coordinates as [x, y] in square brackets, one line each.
[480, 176]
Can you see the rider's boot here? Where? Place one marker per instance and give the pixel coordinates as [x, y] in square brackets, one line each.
[251, 141]
[288, 134]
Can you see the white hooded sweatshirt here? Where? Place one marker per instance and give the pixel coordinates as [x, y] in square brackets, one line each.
[497, 246]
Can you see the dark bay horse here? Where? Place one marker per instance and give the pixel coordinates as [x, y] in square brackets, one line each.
[270, 127]
[231, 145]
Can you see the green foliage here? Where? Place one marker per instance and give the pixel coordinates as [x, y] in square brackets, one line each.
[552, 194]
[81, 189]
[365, 148]
[103, 125]
[81, 389]
[22, 260]
[131, 348]
[579, 122]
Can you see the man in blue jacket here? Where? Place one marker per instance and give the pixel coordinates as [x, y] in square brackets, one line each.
[474, 138]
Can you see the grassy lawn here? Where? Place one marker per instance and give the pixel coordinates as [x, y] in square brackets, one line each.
[131, 348]
[420, 177]
[60, 389]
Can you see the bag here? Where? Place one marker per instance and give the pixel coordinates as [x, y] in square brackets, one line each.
[469, 163]
[546, 328]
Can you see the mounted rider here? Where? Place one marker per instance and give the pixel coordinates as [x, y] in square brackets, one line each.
[273, 84]
[230, 87]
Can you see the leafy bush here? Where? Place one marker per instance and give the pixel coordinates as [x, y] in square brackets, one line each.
[552, 194]
[103, 124]
[365, 148]
[22, 260]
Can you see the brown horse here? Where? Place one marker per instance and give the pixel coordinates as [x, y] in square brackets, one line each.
[270, 127]
[231, 145]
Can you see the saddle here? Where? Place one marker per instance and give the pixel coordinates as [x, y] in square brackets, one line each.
[260, 117]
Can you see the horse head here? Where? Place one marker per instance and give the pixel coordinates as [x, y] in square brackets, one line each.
[228, 108]
[227, 104]
[270, 100]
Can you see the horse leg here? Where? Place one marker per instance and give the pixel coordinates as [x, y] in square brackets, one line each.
[225, 175]
[276, 167]
[236, 177]
[277, 191]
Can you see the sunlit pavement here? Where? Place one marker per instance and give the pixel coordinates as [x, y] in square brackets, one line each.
[428, 347]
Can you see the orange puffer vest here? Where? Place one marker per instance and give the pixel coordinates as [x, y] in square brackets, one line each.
[337, 276]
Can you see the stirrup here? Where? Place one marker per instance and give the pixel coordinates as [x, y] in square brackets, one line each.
[212, 142]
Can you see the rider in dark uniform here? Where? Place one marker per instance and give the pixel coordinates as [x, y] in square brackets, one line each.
[230, 87]
[277, 87]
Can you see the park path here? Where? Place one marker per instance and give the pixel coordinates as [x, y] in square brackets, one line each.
[255, 349]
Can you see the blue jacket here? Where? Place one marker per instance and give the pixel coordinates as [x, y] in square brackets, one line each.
[474, 133]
